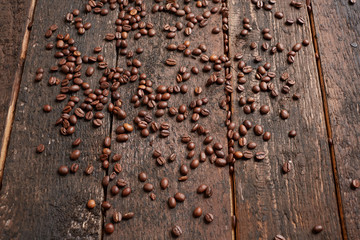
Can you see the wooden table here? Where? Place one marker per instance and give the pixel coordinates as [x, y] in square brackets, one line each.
[256, 200]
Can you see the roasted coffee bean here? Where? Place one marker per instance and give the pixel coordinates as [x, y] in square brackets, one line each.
[220, 162]
[160, 161]
[164, 183]
[74, 168]
[292, 133]
[201, 188]
[176, 231]
[172, 202]
[194, 163]
[126, 192]
[63, 170]
[142, 177]
[121, 182]
[184, 170]
[247, 154]
[284, 114]
[75, 154]
[170, 62]
[148, 187]
[209, 218]
[260, 156]
[258, 130]
[264, 109]
[40, 148]
[317, 229]
[355, 183]
[91, 204]
[89, 170]
[109, 228]
[105, 205]
[279, 237]
[286, 167]
[116, 217]
[128, 215]
[172, 157]
[117, 167]
[180, 197]
[197, 212]
[208, 192]
[267, 136]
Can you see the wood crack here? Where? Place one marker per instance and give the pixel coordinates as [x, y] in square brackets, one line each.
[327, 121]
[15, 90]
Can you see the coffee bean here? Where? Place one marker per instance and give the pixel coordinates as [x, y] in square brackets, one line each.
[251, 145]
[260, 156]
[355, 183]
[89, 71]
[121, 182]
[128, 215]
[176, 231]
[258, 130]
[126, 192]
[220, 162]
[279, 15]
[63, 170]
[74, 168]
[180, 197]
[91, 204]
[160, 161]
[148, 187]
[279, 237]
[105, 205]
[194, 163]
[284, 114]
[267, 136]
[208, 192]
[89, 169]
[317, 229]
[40, 148]
[352, 2]
[172, 157]
[75, 154]
[209, 218]
[264, 109]
[117, 167]
[164, 183]
[172, 202]
[201, 188]
[286, 167]
[197, 212]
[292, 133]
[109, 228]
[170, 62]
[116, 217]
[142, 177]
[247, 154]
[116, 158]
[152, 196]
[184, 170]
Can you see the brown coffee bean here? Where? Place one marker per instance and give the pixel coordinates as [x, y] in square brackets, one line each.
[208, 192]
[209, 218]
[142, 177]
[197, 212]
[279, 237]
[121, 182]
[109, 228]
[355, 183]
[117, 168]
[63, 170]
[40, 148]
[89, 71]
[148, 187]
[317, 229]
[128, 215]
[74, 168]
[286, 167]
[176, 231]
[89, 170]
[91, 204]
[170, 62]
[292, 133]
[201, 188]
[75, 154]
[284, 114]
[180, 197]
[116, 217]
[184, 170]
[126, 192]
[172, 202]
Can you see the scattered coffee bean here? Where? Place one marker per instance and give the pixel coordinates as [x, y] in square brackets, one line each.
[109, 228]
[176, 231]
[63, 170]
[317, 229]
[197, 212]
[91, 204]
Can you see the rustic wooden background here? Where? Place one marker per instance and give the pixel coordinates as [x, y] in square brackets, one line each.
[36, 204]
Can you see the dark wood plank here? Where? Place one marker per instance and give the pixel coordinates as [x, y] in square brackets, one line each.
[15, 17]
[337, 28]
[269, 202]
[154, 219]
[37, 203]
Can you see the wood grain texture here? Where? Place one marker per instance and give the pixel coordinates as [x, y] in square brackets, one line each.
[154, 219]
[36, 203]
[12, 24]
[338, 32]
[269, 202]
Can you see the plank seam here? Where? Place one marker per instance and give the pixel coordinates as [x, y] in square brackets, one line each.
[230, 108]
[327, 121]
[15, 90]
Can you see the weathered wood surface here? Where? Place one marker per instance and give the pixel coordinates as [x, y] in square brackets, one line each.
[338, 34]
[37, 203]
[12, 24]
[269, 202]
[154, 219]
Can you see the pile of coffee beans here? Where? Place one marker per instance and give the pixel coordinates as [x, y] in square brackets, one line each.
[152, 99]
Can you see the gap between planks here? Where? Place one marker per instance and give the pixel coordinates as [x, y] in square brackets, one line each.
[15, 90]
[327, 122]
